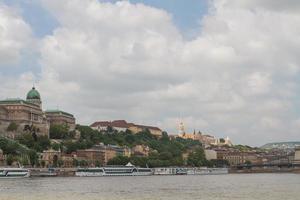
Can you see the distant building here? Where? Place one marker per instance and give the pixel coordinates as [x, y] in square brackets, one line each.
[28, 115]
[50, 157]
[59, 117]
[24, 113]
[101, 154]
[92, 156]
[234, 158]
[122, 125]
[210, 154]
[206, 140]
[141, 150]
[297, 155]
[68, 160]
[118, 125]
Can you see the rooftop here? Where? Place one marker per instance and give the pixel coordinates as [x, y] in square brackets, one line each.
[60, 112]
[16, 101]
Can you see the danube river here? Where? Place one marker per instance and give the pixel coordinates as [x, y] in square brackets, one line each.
[206, 187]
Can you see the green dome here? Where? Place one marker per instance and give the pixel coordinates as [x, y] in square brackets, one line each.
[33, 94]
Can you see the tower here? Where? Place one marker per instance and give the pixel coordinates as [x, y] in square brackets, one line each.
[33, 96]
[181, 128]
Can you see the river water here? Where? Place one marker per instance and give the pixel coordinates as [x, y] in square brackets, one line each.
[206, 187]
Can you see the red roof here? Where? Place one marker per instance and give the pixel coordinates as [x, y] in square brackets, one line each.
[119, 124]
[100, 123]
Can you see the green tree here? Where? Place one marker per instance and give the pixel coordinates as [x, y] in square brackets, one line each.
[33, 157]
[75, 162]
[55, 161]
[118, 160]
[10, 159]
[56, 146]
[97, 163]
[58, 131]
[60, 163]
[12, 126]
[196, 158]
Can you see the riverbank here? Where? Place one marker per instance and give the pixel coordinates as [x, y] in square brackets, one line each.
[264, 170]
[70, 172]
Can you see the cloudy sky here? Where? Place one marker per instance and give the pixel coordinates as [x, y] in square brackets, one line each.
[225, 67]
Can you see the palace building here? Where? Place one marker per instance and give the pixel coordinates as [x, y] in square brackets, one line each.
[28, 115]
[61, 118]
[206, 140]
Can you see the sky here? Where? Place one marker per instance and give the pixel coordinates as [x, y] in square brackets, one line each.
[223, 67]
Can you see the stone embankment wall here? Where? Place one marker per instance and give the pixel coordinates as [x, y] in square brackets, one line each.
[265, 170]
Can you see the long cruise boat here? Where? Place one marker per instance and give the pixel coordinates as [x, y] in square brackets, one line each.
[128, 170]
[14, 173]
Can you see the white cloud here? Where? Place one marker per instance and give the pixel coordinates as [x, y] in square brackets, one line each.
[123, 60]
[15, 35]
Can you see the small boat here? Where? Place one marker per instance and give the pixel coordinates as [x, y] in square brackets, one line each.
[14, 173]
[128, 170]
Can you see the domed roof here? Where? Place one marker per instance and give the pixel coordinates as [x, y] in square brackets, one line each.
[33, 94]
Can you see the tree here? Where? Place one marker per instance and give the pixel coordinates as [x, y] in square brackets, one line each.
[118, 160]
[55, 161]
[196, 158]
[55, 146]
[60, 163]
[12, 126]
[97, 163]
[39, 144]
[33, 157]
[10, 159]
[58, 131]
[83, 163]
[75, 162]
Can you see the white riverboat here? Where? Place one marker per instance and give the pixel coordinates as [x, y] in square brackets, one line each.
[14, 173]
[170, 171]
[207, 171]
[128, 170]
[189, 171]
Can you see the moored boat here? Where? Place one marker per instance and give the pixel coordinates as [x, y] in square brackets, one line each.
[14, 173]
[207, 171]
[128, 170]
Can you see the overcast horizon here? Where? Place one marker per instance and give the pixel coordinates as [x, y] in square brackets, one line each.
[223, 67]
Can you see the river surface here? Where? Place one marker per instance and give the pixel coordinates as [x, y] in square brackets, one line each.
[206, 187]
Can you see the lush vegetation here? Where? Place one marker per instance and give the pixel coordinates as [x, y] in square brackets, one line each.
[12, 126]
[17, 152]
[165, 151]
[58, 131]
[32, 141]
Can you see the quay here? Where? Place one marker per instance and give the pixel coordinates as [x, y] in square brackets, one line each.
[70, 172]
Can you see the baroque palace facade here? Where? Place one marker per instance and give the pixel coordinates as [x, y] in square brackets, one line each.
[28, 114]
